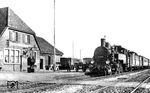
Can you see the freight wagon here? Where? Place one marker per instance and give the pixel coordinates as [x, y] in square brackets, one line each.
[72, 64]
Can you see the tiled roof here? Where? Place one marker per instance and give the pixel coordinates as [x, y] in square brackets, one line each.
[46, 47]
[3, 19]
[9, 19]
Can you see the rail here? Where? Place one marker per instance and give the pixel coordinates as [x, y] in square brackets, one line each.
[116, 91]
[139, 85]
[105, 87]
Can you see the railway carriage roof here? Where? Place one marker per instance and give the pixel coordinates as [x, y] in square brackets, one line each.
[133, 52]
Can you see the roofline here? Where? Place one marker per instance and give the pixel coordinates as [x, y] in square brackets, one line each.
[12, 28]
[36, 42]
[3, 31]
[50, 54]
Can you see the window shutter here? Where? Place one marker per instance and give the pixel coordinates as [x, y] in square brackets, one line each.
[13, 36]
[16, 34]
[10, 35]
[28, 37]
[23, 38]
[19, 37]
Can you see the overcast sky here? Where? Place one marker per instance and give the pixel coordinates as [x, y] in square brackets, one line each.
[124, 22]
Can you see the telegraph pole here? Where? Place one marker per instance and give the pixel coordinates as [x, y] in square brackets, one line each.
[54, 61]
[72, 51]
[80, 54]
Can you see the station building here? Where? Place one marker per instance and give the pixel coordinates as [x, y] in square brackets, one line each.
[18, 43]
[47, 54]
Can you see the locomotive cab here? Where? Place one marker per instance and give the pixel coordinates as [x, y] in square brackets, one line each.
[120, 58]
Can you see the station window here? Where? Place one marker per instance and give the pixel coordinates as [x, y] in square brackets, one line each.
[6, 55]
[27, 39]
[13, 36]
[11, 56]
[17, 56]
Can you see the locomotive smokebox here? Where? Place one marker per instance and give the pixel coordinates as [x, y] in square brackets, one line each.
[103, 42]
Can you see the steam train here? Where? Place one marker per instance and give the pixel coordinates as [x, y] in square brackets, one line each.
[116, 59]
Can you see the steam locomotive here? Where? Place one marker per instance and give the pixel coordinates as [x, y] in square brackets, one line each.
[116, 59]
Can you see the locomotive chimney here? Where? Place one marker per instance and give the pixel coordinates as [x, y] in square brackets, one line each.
[103, 42]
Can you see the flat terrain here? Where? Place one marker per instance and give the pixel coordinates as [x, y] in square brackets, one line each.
[71, 82]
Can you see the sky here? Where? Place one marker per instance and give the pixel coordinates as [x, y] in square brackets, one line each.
[82, 23]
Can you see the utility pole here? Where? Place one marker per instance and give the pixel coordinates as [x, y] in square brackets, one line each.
[80, 55]
[72, 51]
[54, 61]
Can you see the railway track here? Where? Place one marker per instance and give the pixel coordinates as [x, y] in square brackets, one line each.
[138, 86]
[111, 88]
[32, 86]
[143, 78]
